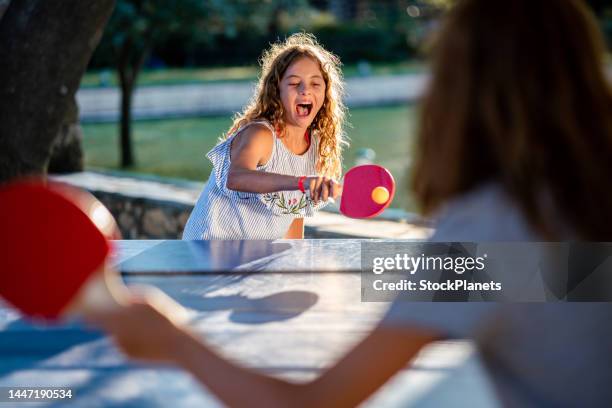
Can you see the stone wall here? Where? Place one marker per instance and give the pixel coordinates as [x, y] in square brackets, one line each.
[145, 207]
[141, 218]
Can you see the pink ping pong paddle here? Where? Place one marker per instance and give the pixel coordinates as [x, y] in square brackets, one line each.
[54, 244]
[367, 191]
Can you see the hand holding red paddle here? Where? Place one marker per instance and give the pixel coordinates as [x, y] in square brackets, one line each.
[367, 190]
[55, 252]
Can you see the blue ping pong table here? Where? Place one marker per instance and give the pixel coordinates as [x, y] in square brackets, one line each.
[288, 308]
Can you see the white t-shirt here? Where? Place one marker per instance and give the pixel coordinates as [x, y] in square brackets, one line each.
[538, 354]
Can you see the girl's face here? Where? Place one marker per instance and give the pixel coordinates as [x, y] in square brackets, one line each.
[302, 92]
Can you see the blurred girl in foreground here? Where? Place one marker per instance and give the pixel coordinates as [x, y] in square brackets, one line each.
[515, 144]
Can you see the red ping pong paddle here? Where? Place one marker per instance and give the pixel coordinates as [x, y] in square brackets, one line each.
[54, 245]
[367, 191]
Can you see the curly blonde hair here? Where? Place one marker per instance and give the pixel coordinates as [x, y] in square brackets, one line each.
[266, 103]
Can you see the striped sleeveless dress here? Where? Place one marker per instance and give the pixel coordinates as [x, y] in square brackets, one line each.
[221, 213]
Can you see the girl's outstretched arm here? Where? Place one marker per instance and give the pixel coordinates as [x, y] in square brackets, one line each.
[251, 148]
[145, 333]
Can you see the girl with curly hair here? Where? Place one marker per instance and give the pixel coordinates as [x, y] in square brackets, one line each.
[278, 162]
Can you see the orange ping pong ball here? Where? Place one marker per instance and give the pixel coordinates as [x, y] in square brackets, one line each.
[380, 195]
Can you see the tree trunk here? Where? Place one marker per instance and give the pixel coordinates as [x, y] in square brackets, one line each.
[127, 156]
[44, 49]
[67, 151]
[130, 62]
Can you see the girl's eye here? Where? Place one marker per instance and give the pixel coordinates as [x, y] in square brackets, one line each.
[294, 84]
[316, 85]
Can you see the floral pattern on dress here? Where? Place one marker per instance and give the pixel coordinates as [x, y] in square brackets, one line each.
[287, 205]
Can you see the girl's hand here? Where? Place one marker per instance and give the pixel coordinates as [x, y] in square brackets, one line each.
[322, 188]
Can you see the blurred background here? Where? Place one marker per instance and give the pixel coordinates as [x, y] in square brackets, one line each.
[167, 77]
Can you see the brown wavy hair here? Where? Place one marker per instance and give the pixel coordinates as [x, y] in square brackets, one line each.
[519, 95]
[266, 103]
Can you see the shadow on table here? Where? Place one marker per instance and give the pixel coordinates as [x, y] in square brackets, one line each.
[279, 306]
[196, 293]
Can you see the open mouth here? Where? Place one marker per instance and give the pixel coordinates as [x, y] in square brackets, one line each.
[303, 109]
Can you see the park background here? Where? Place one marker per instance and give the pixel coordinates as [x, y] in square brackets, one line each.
[288, 324]
[163, 84]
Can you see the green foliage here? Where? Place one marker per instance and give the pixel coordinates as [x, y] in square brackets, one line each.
[353, 43]
[217, 32]
[234, 32]
[182, 27]
[144, 24]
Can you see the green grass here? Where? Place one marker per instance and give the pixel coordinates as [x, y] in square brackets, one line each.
[177, 147]
[173, 148]
[170, 76]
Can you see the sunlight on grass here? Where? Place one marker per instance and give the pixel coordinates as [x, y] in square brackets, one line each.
[172, 76]
[177, 147]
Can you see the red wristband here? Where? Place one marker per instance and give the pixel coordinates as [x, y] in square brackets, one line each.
[301, 184]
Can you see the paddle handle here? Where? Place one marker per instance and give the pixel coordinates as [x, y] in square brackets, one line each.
[103, 291]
